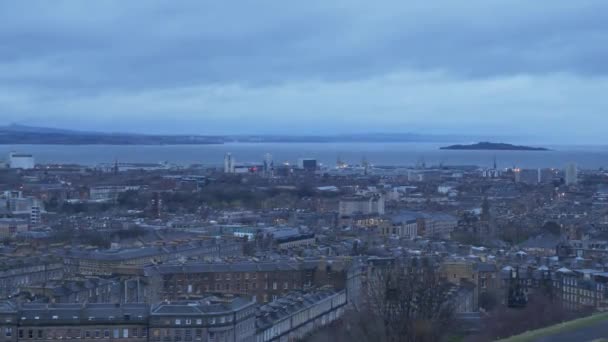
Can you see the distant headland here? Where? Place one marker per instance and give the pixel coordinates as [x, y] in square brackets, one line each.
[20, 134]
[493, 147]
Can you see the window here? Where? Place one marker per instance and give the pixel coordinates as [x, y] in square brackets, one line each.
[87, 334]
[178, 322]
[125, 333]
[134, 332]
[106, 333]
[8, 332]
[116, 333]
[199, 321]
[198, 333]
[30, 333]
[274, 285]
[188, 321]
[97, 334]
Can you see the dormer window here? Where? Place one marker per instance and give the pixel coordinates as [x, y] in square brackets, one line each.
[54, 317]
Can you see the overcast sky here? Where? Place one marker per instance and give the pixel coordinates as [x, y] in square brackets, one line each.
[517, 67]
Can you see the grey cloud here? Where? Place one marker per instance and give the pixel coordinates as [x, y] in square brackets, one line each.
[259, 42]
[126, 59]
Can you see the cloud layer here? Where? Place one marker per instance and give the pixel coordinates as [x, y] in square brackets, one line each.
[501, 67]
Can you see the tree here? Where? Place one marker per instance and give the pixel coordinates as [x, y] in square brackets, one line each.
[552, 227]
[488, 300]
[408, 301]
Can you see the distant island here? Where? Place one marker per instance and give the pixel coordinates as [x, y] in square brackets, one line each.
[493, 147]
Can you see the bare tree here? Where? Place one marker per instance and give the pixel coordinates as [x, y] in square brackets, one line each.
[406, 302]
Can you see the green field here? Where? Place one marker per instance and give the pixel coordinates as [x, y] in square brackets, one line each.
[558, 328]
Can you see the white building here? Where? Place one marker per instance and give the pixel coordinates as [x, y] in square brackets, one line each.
[571, 174]
[109, 192]
[20, 161]
[364, 205]
[229, 163]
[268, 165]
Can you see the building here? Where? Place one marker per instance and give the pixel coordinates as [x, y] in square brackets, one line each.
[48, 322]
[264, 281]
[268, 165]
[18, 204]
[211, 319]
[571, 174]
[581, 289]
[109, 192]
[82, 290]
[229, 163]
[308, 164]
[295, 316]
[439, 225]
[403, 225]
[28, 271]
[20, 161]
[291, 237]
[9, 227]
[132, 261]
[528, 176]
[364, 205]
[35, 214]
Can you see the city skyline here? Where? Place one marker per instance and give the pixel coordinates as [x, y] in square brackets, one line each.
[509, 68]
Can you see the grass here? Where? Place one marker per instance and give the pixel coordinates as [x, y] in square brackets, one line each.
[558, 328]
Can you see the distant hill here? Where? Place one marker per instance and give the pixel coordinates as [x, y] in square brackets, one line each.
[19, 134]
[494, 147]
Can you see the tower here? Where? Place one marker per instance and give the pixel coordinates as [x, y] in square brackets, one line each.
[228, 163]
[571, 174]
[268, 165]
[157, 205]
[365, 165]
